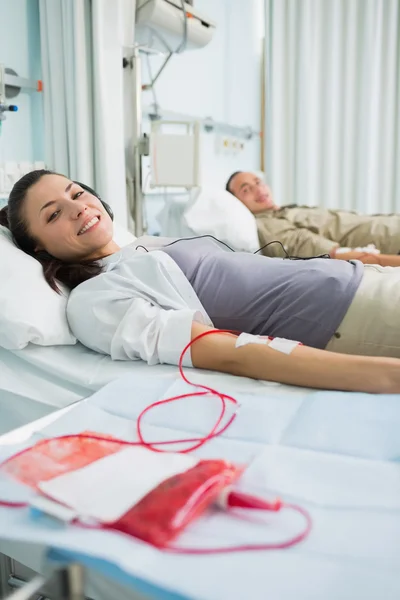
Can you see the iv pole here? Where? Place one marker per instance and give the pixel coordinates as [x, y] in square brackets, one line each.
[136, 202]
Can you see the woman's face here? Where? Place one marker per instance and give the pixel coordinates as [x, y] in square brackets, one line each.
[67, 221]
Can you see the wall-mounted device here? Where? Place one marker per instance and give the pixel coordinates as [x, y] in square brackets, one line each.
[10, 86]
[171, 26]
[175, 154]
[167, 27]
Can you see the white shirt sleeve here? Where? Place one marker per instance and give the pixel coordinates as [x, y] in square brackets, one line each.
[109, 316]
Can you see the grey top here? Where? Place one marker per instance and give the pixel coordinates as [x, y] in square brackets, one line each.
[303, 300]
[143, 305]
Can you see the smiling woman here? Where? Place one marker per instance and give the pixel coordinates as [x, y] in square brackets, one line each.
[66, 220]
[69, 227]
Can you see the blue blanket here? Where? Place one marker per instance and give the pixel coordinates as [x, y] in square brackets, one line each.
[333, 453]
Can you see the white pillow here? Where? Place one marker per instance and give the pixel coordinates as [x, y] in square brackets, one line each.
[219, 213]
[122, 236]
[30, 311]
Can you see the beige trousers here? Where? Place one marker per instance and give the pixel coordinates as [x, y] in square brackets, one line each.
[371, 326]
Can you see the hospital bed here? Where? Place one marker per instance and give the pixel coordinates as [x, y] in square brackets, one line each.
[335, 454]
[37, 380]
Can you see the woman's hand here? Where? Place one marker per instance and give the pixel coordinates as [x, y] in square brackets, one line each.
[306, 367]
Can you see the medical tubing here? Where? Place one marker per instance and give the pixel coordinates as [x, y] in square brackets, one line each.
[215, 432]
[208, 235]
[254, 547]
[196, 442]
[282, 545]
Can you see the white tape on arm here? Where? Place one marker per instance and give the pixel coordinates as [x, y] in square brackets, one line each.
[283, 345]
[279, 344]
[248, 338]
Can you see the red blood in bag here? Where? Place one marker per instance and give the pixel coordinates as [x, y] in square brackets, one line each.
[167, 510]
[52, 457]
[160, 515]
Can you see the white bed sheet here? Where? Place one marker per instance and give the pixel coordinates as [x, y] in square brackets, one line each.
[38, 380]
[334, 453]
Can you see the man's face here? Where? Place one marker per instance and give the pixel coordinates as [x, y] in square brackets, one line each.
[252, 191]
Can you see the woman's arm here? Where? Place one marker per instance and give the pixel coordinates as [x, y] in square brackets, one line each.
[305, 366]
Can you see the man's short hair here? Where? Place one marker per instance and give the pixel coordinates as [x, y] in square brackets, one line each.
[228, 183]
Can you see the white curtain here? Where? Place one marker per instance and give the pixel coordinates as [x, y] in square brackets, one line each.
[67, 92]
[109, 146]
[82, 89]
[333, 103]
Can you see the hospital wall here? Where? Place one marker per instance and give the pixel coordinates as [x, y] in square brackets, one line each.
[221, 81]
[22, 133]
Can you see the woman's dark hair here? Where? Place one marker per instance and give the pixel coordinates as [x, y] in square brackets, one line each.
[11, 216]
[228, 183]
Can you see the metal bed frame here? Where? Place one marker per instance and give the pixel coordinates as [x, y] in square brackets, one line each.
[64, 583]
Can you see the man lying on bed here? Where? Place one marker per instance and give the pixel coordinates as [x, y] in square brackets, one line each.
[310, 231]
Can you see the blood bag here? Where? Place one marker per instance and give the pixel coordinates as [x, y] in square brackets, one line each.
[122, 486]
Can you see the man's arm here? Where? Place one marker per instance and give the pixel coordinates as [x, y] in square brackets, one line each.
[385, 260]
[303, 243]
[305, 366]
[297, 241]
